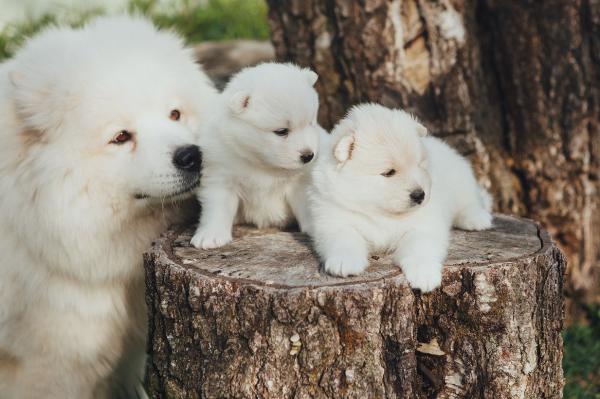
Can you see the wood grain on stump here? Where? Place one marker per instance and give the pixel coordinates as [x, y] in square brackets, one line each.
[258, 319]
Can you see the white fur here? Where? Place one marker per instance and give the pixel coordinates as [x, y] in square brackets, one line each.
[72, 311]
[250, 174]
[356, 210]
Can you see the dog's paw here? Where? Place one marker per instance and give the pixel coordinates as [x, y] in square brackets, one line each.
[345, 265]
[474, 219]
[207, 239]
[423, 277]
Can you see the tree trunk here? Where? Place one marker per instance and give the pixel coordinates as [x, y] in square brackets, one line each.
[513, 84]
[257, 319]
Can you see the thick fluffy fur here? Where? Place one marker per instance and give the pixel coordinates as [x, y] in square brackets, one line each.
[77, 211]
[361, 196]
[253, 173]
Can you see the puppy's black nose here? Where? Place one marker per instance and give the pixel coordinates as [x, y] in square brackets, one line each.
[188, 158]
[307, 156]
[417, 196]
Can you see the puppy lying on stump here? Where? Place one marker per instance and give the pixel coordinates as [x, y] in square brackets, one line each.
[257, 318]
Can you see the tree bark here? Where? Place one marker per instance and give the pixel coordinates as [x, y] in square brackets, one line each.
[513, 84]
[257, 319]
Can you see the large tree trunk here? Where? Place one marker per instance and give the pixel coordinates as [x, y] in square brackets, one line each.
[257, 319]
[514, 84]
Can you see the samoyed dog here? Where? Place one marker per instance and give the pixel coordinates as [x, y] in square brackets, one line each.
[258, 148]
[381, 184]
[96, 142]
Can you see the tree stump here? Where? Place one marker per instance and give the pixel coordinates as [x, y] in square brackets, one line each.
[258, 319]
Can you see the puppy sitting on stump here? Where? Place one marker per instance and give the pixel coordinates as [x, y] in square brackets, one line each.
[258, 319]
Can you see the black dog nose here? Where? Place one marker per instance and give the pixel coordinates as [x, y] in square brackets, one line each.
[417, 196]
[307, 156]
[188, 158]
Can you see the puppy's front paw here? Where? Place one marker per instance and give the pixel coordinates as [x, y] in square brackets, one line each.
[474, 219]
[424, 281]
[424, 277]
[207, 239]
[345, 265]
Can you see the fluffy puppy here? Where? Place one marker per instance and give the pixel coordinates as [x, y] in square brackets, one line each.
[382, 185]
[96, 142]
[258, 147]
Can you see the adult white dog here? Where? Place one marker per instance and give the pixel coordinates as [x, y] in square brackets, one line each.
[382, 185]
[95, 142]
[259, 145]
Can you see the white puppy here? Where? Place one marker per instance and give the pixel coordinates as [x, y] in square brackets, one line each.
[96, 140]
[258, 148]
[382, 185]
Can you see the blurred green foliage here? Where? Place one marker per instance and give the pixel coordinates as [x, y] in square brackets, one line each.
[195, 20]
[581, 360]
[213, 20]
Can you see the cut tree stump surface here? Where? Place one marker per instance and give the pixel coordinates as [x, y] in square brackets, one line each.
[258, 318]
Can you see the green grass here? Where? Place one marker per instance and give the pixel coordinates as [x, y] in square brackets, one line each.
[217, 20]
[582, 358]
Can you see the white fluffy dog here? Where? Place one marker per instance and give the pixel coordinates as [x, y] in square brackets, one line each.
[382, 185]
[95, 141]
[258, 148]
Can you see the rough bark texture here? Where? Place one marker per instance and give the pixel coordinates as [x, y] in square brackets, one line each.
[514, 84]
[257, 319]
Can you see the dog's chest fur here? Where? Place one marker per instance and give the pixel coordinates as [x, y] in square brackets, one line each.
[90, 326]
[264, 200]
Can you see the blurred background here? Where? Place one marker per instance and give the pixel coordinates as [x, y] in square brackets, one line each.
[513, 85]
[198, 21]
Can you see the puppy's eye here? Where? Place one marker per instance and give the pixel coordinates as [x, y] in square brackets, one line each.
[175, 115]
[389, 173]
[282, 132]
[122, 137]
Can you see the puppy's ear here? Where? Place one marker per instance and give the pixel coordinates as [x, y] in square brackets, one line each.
[421, 130]
[239, 102]
[344, 147]
[311, 76]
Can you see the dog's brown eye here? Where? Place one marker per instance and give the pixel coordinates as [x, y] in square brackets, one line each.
[282, 132]
[389, 173]
[122, 137]
[175, 115]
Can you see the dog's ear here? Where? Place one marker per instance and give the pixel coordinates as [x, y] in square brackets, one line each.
[311, 76]
[344, 147]
[421, 130]
[239, 102]
[37, 101]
